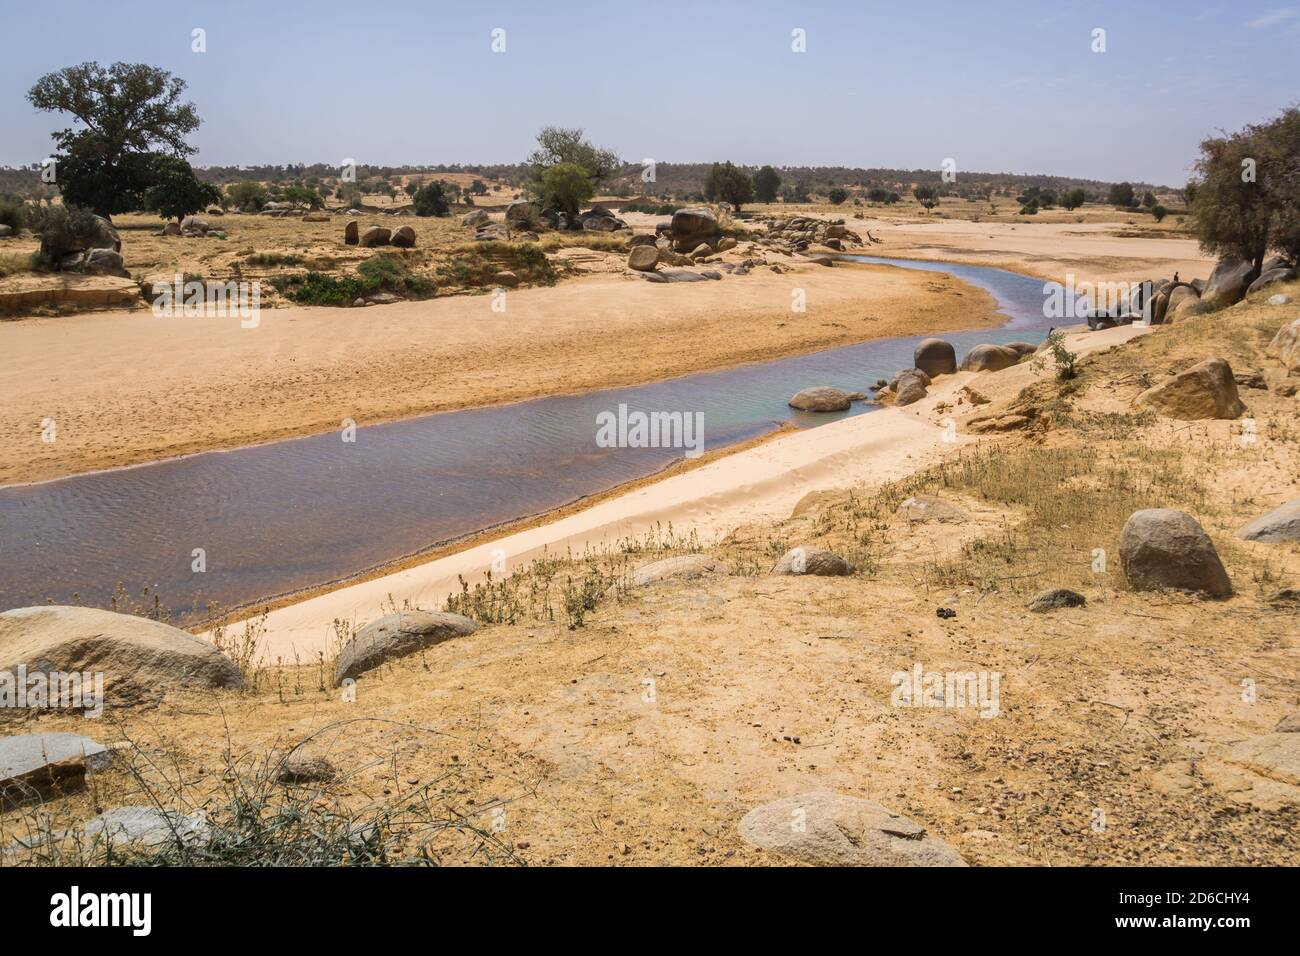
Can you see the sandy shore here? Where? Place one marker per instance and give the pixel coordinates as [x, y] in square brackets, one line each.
[1093, 251]
[124, 388]
[758, 484]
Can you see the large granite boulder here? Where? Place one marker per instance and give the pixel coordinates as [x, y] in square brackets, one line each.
[1229, 281]
[351, 232]
[815, 561]
[990, 358]
[1166, 548]
[138, 657]
[476, 218]
[403, 237]
[821, 398]
[375, 236]
[398, 635]
[1282, 524]
[643, 258]
[686, 566]
[1271, 277]
[1286, 345]
[935, 357]
[34, 766]
[1182, 299]
[829, 829]
[1206, 390]
[692, 226]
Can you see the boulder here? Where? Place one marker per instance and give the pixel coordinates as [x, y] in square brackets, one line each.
[1054, 598]
[1276, 262]
[1166, 548]
[821, 398]
[815, 501]
[1271, 277]
[1160, 308]
[521, 211]
[171, 229]
[643, 258]
[403, 237]
[147, 827]
[935, 357]
[105, 262]
[302, 767]
[476, 218]
[1229, 281]
[100, 235]
[1024, 348]
[1286, 345]
[316, 217]
[1181, 299]
[194, 224]
[726, 244]
[1290, 724]
[816, 561]
[1282, 524]
[506, 278]
[43, 765]
[6, 231]
[829, 829]
[931, 508]
[1279, 299]
[1206, 390]
[990, 358]
[351, 233]
[137, 656]
[915, 373]
[685, 566]
[395, 636]
[375, 236]
[693, 225]
[910, 389]
[1275, 756]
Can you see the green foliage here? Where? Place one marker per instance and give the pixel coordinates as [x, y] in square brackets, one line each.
[1159, 212]
[478, 188]
[767, 185]
[564, 187]
[431, 199]
[248, 195]
[176, 192]
[1121, 196]
[837, 196]
[380, 273]
[1073, 199]
[302, 196]
[556, 145]
[1066, 361]
[128, 111]
[653, 209]
[13, 212]
[63, 227]
[926, 195]
[730, 184]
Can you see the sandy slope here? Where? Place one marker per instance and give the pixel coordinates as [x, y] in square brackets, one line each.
[125, 388]
[760, 483]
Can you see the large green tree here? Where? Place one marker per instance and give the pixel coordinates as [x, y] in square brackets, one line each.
[556, 145]
[730, 184]
[128, 113]
[565, 187]
[175, 192]
[767, 185]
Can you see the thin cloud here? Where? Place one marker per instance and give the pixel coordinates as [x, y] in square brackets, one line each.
[1273, 18]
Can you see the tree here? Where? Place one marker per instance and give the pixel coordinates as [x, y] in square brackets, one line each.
[478, 188]
[837, 196]
[301, 196]
[767, 185]
[1073, 199]
[878, 194]
[927, 196]
[556, 146]
[730, 184]
[431, 200]
[564, 188]
[128, 112]
[1230, 212]
[247, 194]
[1148, 199]
[411, 187]
[1159, 212]
[176, 192]
[1121, 195]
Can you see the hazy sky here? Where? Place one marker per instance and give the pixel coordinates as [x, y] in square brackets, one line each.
[997, 86]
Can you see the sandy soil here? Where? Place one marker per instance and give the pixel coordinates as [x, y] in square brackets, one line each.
[126, 388]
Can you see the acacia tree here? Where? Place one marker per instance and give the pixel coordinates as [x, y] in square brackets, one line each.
[556, 145]
[730, 184]
[175, 191]
[767, 184]
[1245, 196]
[128, 113]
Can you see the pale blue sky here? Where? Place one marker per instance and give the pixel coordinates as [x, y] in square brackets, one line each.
[998, 86]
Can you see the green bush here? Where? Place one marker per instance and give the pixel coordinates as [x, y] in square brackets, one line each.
[13, 212]
[431, 200]
[64, 229]
[380, 273]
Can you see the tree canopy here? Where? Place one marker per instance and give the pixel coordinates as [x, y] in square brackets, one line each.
[728, 183]
[175, 192]
[767, 184]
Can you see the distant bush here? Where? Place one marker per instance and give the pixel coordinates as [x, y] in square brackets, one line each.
[837, 196]
[380, 273]
[13, 211]
[431, 200]
[273, 259]
[1159, 212]
[651, 209]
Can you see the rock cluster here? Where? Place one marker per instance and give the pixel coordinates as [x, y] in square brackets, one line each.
[802, 232]
[98, 253]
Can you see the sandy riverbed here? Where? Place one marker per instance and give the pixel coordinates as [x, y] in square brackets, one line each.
[124, 388]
